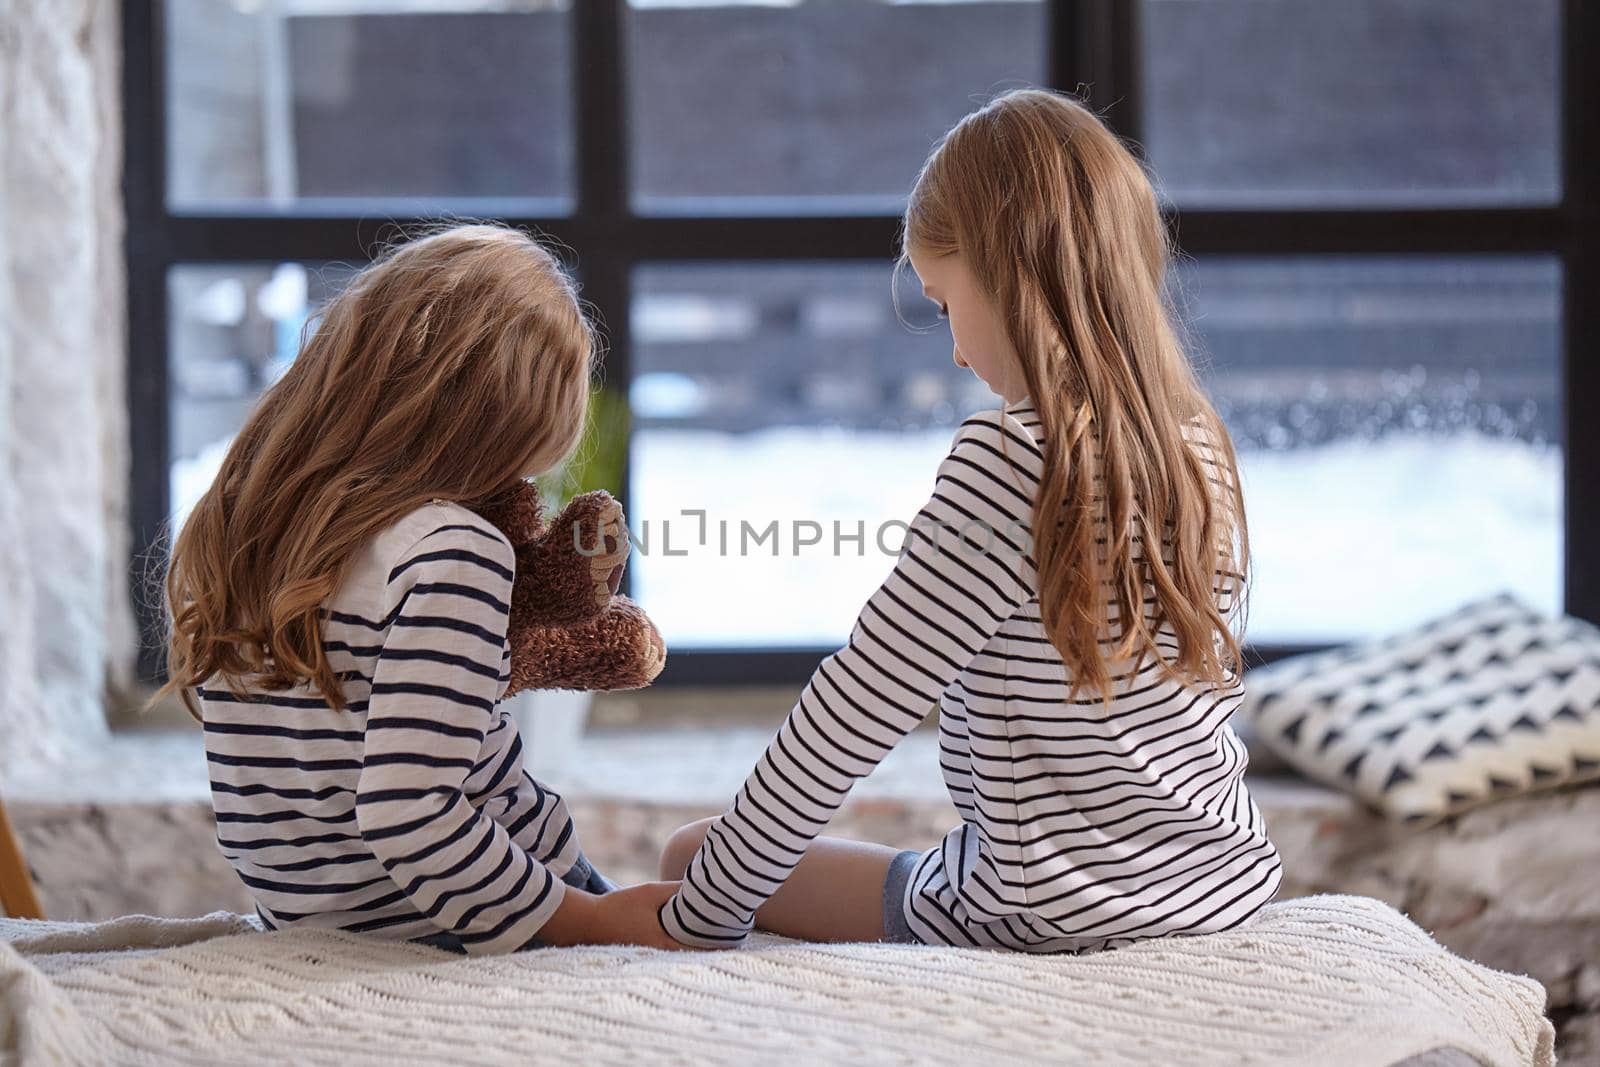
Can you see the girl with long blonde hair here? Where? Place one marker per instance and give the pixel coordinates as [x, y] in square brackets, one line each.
[1067, 598]
[339, 608]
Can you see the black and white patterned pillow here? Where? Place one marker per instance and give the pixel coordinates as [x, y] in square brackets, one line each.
[1491, 701]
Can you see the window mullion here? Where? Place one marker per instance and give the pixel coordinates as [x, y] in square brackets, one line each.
[607, 251]
[1580, 310]
[598, 97]
[1093, 51]
[147, 253]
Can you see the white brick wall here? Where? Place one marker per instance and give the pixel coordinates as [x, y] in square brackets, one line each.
[65, 624]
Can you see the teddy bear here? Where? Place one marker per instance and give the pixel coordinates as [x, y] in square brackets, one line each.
[569, 627]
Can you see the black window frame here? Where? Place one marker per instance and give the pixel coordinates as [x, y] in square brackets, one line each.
[1092, 46]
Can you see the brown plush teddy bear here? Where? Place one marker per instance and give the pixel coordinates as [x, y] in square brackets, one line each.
[569, 627]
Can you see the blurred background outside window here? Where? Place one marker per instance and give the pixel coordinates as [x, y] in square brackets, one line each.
[1397, 414]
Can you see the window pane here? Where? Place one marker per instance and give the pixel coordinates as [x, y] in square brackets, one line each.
[1355, 102]
[840, 100]
[1397, 421]
[233, 330]
[781, 394]
[281, 105]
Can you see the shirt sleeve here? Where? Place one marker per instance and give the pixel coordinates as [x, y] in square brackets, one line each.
[963, 570]
[434, 690]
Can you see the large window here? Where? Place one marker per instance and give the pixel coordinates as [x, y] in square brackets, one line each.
[1386, 209]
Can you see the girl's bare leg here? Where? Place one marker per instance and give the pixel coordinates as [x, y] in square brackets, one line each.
[834, 894]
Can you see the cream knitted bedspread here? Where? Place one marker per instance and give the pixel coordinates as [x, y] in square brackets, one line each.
[1324, 980]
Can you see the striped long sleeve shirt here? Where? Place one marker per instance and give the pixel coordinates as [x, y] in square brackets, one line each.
[408, 813]
[1083, 826]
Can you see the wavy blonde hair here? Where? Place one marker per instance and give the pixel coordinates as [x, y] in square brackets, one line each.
[449, 368]
[1059, 225]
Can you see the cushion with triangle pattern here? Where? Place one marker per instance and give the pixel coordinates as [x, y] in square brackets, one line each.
[1493, 700]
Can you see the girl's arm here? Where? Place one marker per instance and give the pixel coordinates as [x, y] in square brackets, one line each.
[433, 697]
[963, 571]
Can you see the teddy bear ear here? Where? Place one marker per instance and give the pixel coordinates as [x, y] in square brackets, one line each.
[517, 512]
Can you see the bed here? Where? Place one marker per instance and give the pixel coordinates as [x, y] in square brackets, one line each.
[1319, 980]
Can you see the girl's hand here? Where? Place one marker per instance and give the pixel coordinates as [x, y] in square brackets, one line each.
[624, 917]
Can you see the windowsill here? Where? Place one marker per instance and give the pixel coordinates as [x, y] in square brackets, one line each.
[670, 746]
[132, 766]
[667, 746]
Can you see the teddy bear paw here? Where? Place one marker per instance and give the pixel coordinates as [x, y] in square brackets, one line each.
[605, 567]
[654, 657]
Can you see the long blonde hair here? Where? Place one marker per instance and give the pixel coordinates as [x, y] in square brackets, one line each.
[449, 368]
[1058, 223]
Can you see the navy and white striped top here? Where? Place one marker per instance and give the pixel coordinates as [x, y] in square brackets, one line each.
[408, 813]
[1083, 826]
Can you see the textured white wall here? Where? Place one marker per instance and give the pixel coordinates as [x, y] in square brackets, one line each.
[65, 624]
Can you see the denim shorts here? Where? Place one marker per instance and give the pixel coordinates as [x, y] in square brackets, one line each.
[582, 876]
[895, 927]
